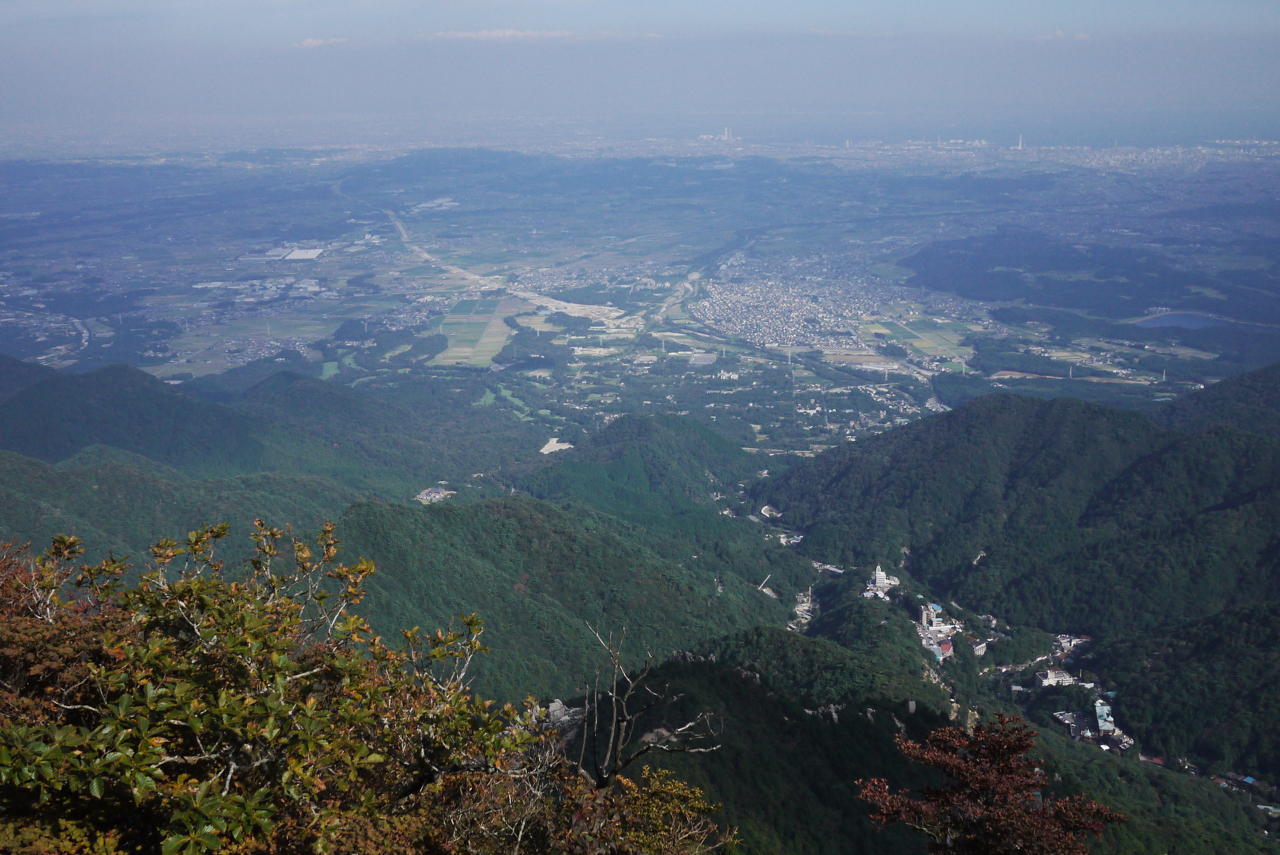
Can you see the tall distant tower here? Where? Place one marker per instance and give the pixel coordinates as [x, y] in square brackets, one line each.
[1019, 142]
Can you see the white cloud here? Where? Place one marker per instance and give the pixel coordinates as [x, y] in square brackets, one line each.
[310, 43]
[496, 35]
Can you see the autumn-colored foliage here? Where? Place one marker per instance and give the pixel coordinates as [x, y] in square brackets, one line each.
[196, 710]
[994, 800]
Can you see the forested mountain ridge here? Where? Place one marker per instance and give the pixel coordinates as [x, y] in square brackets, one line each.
[126, 471]
[1247, 401]
[1059, 514]
[1090, 519]
[888, 669]
[388, 448]
[636, 459]
[127, 408]
[121, 503]
[999, 451]
[286, 423]
[233, 383]
[1208, 690]
[784, 771]
[538, 574]
[16, 375]
[664, 474]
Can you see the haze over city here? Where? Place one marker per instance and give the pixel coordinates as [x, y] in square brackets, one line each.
[147, 75]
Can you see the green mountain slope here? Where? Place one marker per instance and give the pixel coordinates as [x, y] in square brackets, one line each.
[885, 663]
[390, 445]
[999, 462]
[642, 464]
[393, 444]
[538, 574]
[1058, 514]
[1070, 517]
[128, 409]
[1208, 690]
[663, 473]
[16, 375]
[786, 777]
[1168, 811]
[122, 503]
[1248, 401]
[231, 384]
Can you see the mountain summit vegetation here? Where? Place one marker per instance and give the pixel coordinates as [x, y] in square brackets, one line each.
[191, 713]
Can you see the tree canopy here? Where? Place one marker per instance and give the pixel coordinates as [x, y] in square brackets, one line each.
[253, 711]
[993, 801]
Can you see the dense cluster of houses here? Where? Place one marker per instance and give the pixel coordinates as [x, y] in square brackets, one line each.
[936, 630]
[1097, 726]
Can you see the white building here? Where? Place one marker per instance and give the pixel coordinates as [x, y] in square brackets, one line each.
[879, 584]
[932, 619]
[1054, 677]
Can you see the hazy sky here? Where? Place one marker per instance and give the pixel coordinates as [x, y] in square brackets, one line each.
[265, 22]
[1065, 70]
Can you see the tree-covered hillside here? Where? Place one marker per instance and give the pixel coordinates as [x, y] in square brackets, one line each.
[1163, 545]
[193, 711]
[664, 474]
[16, 375]
[387, 445]
[286, 423]
[883, 662]
[1059, 514]
[1208, 690]
[128, 409]
[787, 777]
[538, 574]
[785, 773]
[122, 503]
[644, 464]
[1249, 402]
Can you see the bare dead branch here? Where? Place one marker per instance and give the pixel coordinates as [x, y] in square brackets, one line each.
[625, 698]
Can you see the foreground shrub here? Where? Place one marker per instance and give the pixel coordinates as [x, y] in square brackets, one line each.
[195, 710]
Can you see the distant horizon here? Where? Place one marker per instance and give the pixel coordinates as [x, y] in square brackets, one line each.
[195, 135]
[505, 86]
